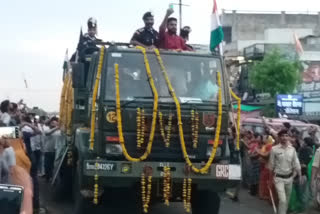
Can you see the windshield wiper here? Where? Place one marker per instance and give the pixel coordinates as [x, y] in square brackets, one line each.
[135, 99]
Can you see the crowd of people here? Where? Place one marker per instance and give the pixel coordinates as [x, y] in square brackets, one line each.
[283, 166]
[31, 154]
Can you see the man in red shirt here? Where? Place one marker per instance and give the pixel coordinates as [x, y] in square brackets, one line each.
[168, 34]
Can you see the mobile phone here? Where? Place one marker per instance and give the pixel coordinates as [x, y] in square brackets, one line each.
[9, 132]
[11, 197]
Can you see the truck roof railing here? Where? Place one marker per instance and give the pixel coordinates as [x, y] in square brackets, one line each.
[197, 47]
[123, 44]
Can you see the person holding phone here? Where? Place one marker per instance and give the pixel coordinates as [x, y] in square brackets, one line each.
[11, 174]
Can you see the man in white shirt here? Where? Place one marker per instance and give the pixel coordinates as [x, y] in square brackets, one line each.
[53, 136]
[37, 142]
[5, 117]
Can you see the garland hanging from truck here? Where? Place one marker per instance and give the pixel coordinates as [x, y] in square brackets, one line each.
[204, 169]
[238, 117]
[154, 114]
[94, 98]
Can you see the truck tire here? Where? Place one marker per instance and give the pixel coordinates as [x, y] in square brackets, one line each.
[62, 187]
[205, 202]
[123, 200]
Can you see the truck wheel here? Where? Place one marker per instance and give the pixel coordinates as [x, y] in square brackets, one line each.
[62, 188]
[123, 200]
[205, 202]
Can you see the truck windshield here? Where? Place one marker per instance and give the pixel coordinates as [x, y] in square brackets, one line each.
[194, 78]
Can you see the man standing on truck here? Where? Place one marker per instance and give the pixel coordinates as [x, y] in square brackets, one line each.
[87, 43]
[168, 34]
[184, 33]
[147, 36]
[285, 165]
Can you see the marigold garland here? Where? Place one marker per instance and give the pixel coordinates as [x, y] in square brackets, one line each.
[186, 194]
[166, 138]
[238, 117]
[140, 127]
[138, 118]
[166, 184]
[154, 115]
[96, 185]
[146, 191]
[94, 98]
[62, 101]
[143, 127]
[195, 128]
[69, 107]
[204, 169]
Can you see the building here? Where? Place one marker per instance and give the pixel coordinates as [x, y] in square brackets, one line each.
[252, 35]
[243, 29]
[310, 87]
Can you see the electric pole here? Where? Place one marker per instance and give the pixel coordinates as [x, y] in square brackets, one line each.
[180, 12]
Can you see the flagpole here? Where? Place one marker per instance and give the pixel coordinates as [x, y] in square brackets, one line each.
[221, 49]
[180, 13]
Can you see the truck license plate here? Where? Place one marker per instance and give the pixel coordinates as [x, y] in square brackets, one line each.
[222, 171]
[100, 166]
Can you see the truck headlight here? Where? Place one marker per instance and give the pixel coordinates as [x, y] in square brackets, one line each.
[113, 149]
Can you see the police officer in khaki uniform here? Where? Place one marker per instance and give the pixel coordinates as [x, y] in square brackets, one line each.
[285, 165]
[147, 36]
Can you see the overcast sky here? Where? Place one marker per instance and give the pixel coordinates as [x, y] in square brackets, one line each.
[36, 33]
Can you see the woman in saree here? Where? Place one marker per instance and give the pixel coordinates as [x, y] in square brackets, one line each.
[255, 145]
[265, 182]
[301, 193]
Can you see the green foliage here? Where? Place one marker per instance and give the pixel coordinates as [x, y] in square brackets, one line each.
[269, 111]
[275, 74]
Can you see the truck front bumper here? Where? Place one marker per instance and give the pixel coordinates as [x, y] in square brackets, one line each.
[124, 173]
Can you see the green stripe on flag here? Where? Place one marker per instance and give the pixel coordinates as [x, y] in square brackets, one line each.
[216, 38]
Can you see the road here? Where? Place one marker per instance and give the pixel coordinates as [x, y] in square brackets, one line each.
[247, 205]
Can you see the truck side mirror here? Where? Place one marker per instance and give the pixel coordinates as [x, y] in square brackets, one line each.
[78, 75]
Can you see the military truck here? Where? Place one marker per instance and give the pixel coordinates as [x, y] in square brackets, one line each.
[96, 157]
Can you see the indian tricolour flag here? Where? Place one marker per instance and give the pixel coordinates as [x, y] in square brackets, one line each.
[216, 29]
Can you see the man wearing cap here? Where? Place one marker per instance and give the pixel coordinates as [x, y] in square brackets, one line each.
[184, 34]
[168, 34]
[146, 36]
[87, 43]
[285, 165]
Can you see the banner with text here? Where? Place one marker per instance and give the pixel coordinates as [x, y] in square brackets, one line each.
[288, 104]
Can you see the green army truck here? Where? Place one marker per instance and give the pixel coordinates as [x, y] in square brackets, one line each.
[103, 165]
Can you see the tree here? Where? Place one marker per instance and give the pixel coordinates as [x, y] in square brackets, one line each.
[275, 74]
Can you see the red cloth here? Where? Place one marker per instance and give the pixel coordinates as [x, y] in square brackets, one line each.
[172, 41]
[266, 178]
[253, 146]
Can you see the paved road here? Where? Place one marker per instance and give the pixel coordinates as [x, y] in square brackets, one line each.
[247, 205]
